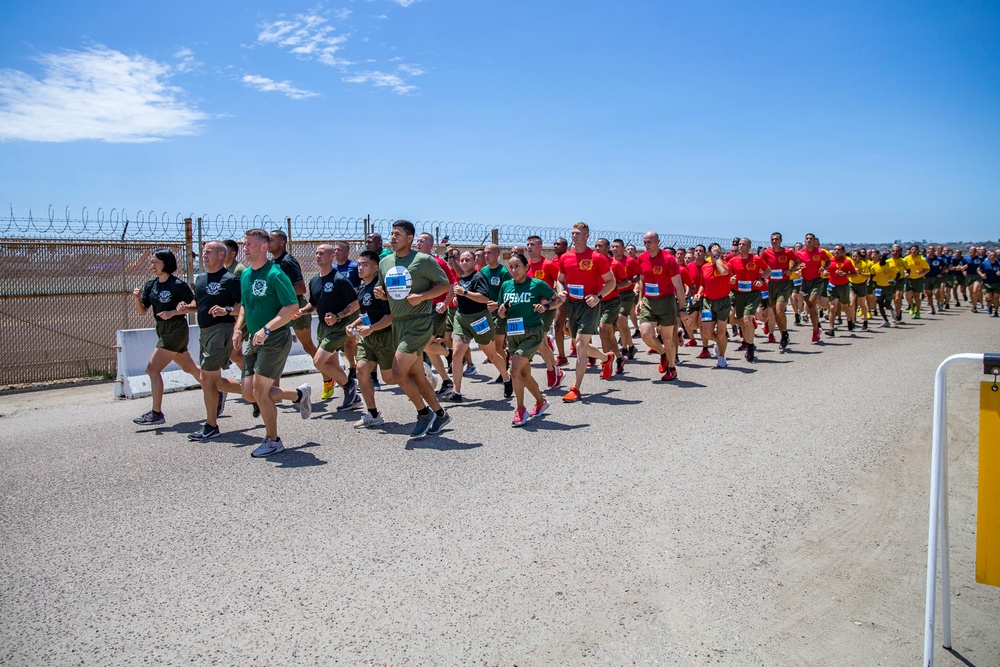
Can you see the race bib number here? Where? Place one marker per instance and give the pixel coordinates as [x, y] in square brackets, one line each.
[398, 282]
[652, 289]
[481, 326]
[515, 326]
[797, 282]
[830, 286]
[706, 314]
[575, 291]
[744, 285]
[764, 294]
[365, 320]
[878, 291]
[776, 274]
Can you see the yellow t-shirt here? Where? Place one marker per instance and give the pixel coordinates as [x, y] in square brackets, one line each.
[917, 266]
[864, 271]
[883, 273]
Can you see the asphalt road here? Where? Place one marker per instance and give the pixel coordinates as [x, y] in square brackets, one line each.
[771, 514]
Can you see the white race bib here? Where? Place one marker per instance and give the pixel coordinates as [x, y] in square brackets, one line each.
[398, 282]
[776, 274]
[744, 286]
[706, 315]
[830, 286]
[878, 291]
[480, 326]
[365, 320]
[652, 289]
[764, 294]
[797, 282]
[515, 326]
[575, 291]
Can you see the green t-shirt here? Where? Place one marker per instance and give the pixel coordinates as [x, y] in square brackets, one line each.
[414, 274]
[265, 291]
[521, 299]
[383, 253]
[495, 278]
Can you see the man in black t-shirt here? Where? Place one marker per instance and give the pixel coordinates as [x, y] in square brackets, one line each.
[217, 302]
[347, 267]
[373, 327]
[333, 298]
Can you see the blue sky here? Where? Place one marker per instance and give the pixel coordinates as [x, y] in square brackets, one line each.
[853, 120]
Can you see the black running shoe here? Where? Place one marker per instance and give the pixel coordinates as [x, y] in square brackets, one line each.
[205, 434]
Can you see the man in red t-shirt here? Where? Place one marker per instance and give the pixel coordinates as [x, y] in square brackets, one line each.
[437, 348]
[662, 289]
[695, 283]
[813, 261]
[716, 302]
[559, 247]
[840, 269]
[548, 272]
[627, 295]
[588, 278]
[747, 277]
[781, 263]
[611, 306]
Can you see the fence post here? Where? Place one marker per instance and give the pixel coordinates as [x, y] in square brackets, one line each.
[288, 225]
[197, 257]
[367, 223]
[188, 255]
[496, 236]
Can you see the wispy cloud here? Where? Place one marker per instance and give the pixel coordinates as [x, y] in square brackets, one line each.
[383, 80]
[404, 3]
[308, 36]
[97, 94]
[286, 88]
[187, 63]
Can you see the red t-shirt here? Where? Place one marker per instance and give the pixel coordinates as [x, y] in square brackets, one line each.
[812, 262]
[846, 265]
[583, 272]
[452, 279]
[746, 272]
[631, 265]
[716, 284]
[691, 275]
[657, 273]
[778, 261]
[545, 270]
[621, 273]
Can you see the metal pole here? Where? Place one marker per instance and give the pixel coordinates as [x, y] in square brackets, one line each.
[188, 254]
[288, 223]
[939, 510]
[496, 236]
[198, 256]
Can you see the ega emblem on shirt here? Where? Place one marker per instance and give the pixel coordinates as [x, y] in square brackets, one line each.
[539, 274]
[586, 264]
[657, 270]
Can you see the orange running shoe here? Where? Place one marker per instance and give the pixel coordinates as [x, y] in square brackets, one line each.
[572, 396]
[607, 366]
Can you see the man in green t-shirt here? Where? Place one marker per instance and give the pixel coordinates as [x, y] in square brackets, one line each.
[269, 304]
[410, 280]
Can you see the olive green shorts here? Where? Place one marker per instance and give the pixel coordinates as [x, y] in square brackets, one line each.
[860, 289]
[305, 321]
[331, 338]
[609, 311]
[547, 318]
[216, 343]
[972, 279]
[815, 287]
[937, 282]
[841, 293]
[440, 321]
[582, 318]
[914, 284]
[887, 292]
[498, 323]
[526, 344]
[746, 303]
[172, 334]
[991, 288]
[377, 347]
[268, 359]
[797, 286]
[716, 309]
[780, 290]
[466, 325]
[949, 279]
[626, 302]
[410, 336]
[661, 310]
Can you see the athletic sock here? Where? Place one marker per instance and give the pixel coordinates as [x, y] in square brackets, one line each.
[373, 412]
[298, 392]
[440, 413]
[424, 411]
[352, 374]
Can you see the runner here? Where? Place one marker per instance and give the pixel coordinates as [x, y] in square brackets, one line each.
[895, 261]
[547, 271]
[796, 276]
[373, 328]
[716, 302]
[559, 248]
[884, 276]
[839, 271]
[473, 322]
[334, 299]
[216, 299]
[611, 306]
[627, 296]
[696, 281]
[164, 293]
[813, 260]
[859, 286]
[973, 280]
[523, 299]
[781, 263]
[235, 268]
[989, 270]
[662, 290]
[410, 280]
[269, 304]
[873, 258]
[631, 252]
[747, 276]
[588, 278]
[302, 326]
[436, 349]
[916, 268]
[496, 275]
[347, 267]
[934, 279]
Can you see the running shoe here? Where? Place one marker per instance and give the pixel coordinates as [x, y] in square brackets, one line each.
[650, 351]
[705, 354]
[206, 433]
[670, 375]
[452, 397]
[742, 347]
[558, 379]
[151, 418]
[864, 325]
[607, 366]
[721, 363]
[424, 423]
[520, 417]
[508, 388]
[440, 421]
[830, 333]
[885, 325]
[715, 349]
[916, 315]
[662, 366]
[561, 361]
[351, 398]
[767, 329]
[445, 386]
[431, 377]
[540, 407]
[815, 338]
[327, 390]
[850, 325]
[572, 396]
[550, 377]
[691, 343]
[784, 340]
[620, 365]
[770, 338]
[267, 448]
[636, 334]
[470, 370]
[631, 352]
[935, 313]
[499, 380]
[367, 420]
[256, 410]
[550, 342]
[798, 319]
[305, 402]
[750, 352]
[572, 349]
[222, 404]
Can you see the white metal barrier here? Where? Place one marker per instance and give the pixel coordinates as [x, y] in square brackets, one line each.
[135, 346]
[937, 525]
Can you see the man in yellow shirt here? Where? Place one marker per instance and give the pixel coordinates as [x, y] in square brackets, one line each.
[916, 268]
[895, 261]
[883, 286]
[859, 286]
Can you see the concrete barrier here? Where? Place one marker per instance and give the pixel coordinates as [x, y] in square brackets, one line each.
[135, 346]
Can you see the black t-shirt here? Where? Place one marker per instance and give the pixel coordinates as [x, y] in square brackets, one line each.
[221, 288]
[290, 266]
[331, 293]
[371, 305]
[474, 282]
[166, 295]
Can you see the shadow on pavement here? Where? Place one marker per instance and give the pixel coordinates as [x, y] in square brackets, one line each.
[441, 443]
[295, 457]
[603, 397]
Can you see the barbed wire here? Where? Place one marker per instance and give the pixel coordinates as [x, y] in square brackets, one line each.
[120, 224]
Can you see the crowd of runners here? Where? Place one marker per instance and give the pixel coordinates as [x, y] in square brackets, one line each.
[405, 316]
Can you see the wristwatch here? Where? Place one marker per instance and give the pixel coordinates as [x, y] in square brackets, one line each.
[229, 309]
[267, 332]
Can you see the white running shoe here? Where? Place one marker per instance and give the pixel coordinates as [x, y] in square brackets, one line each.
[721, 363]
[367, 420]
[431, 377]
[305, 403]
[267, 448]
